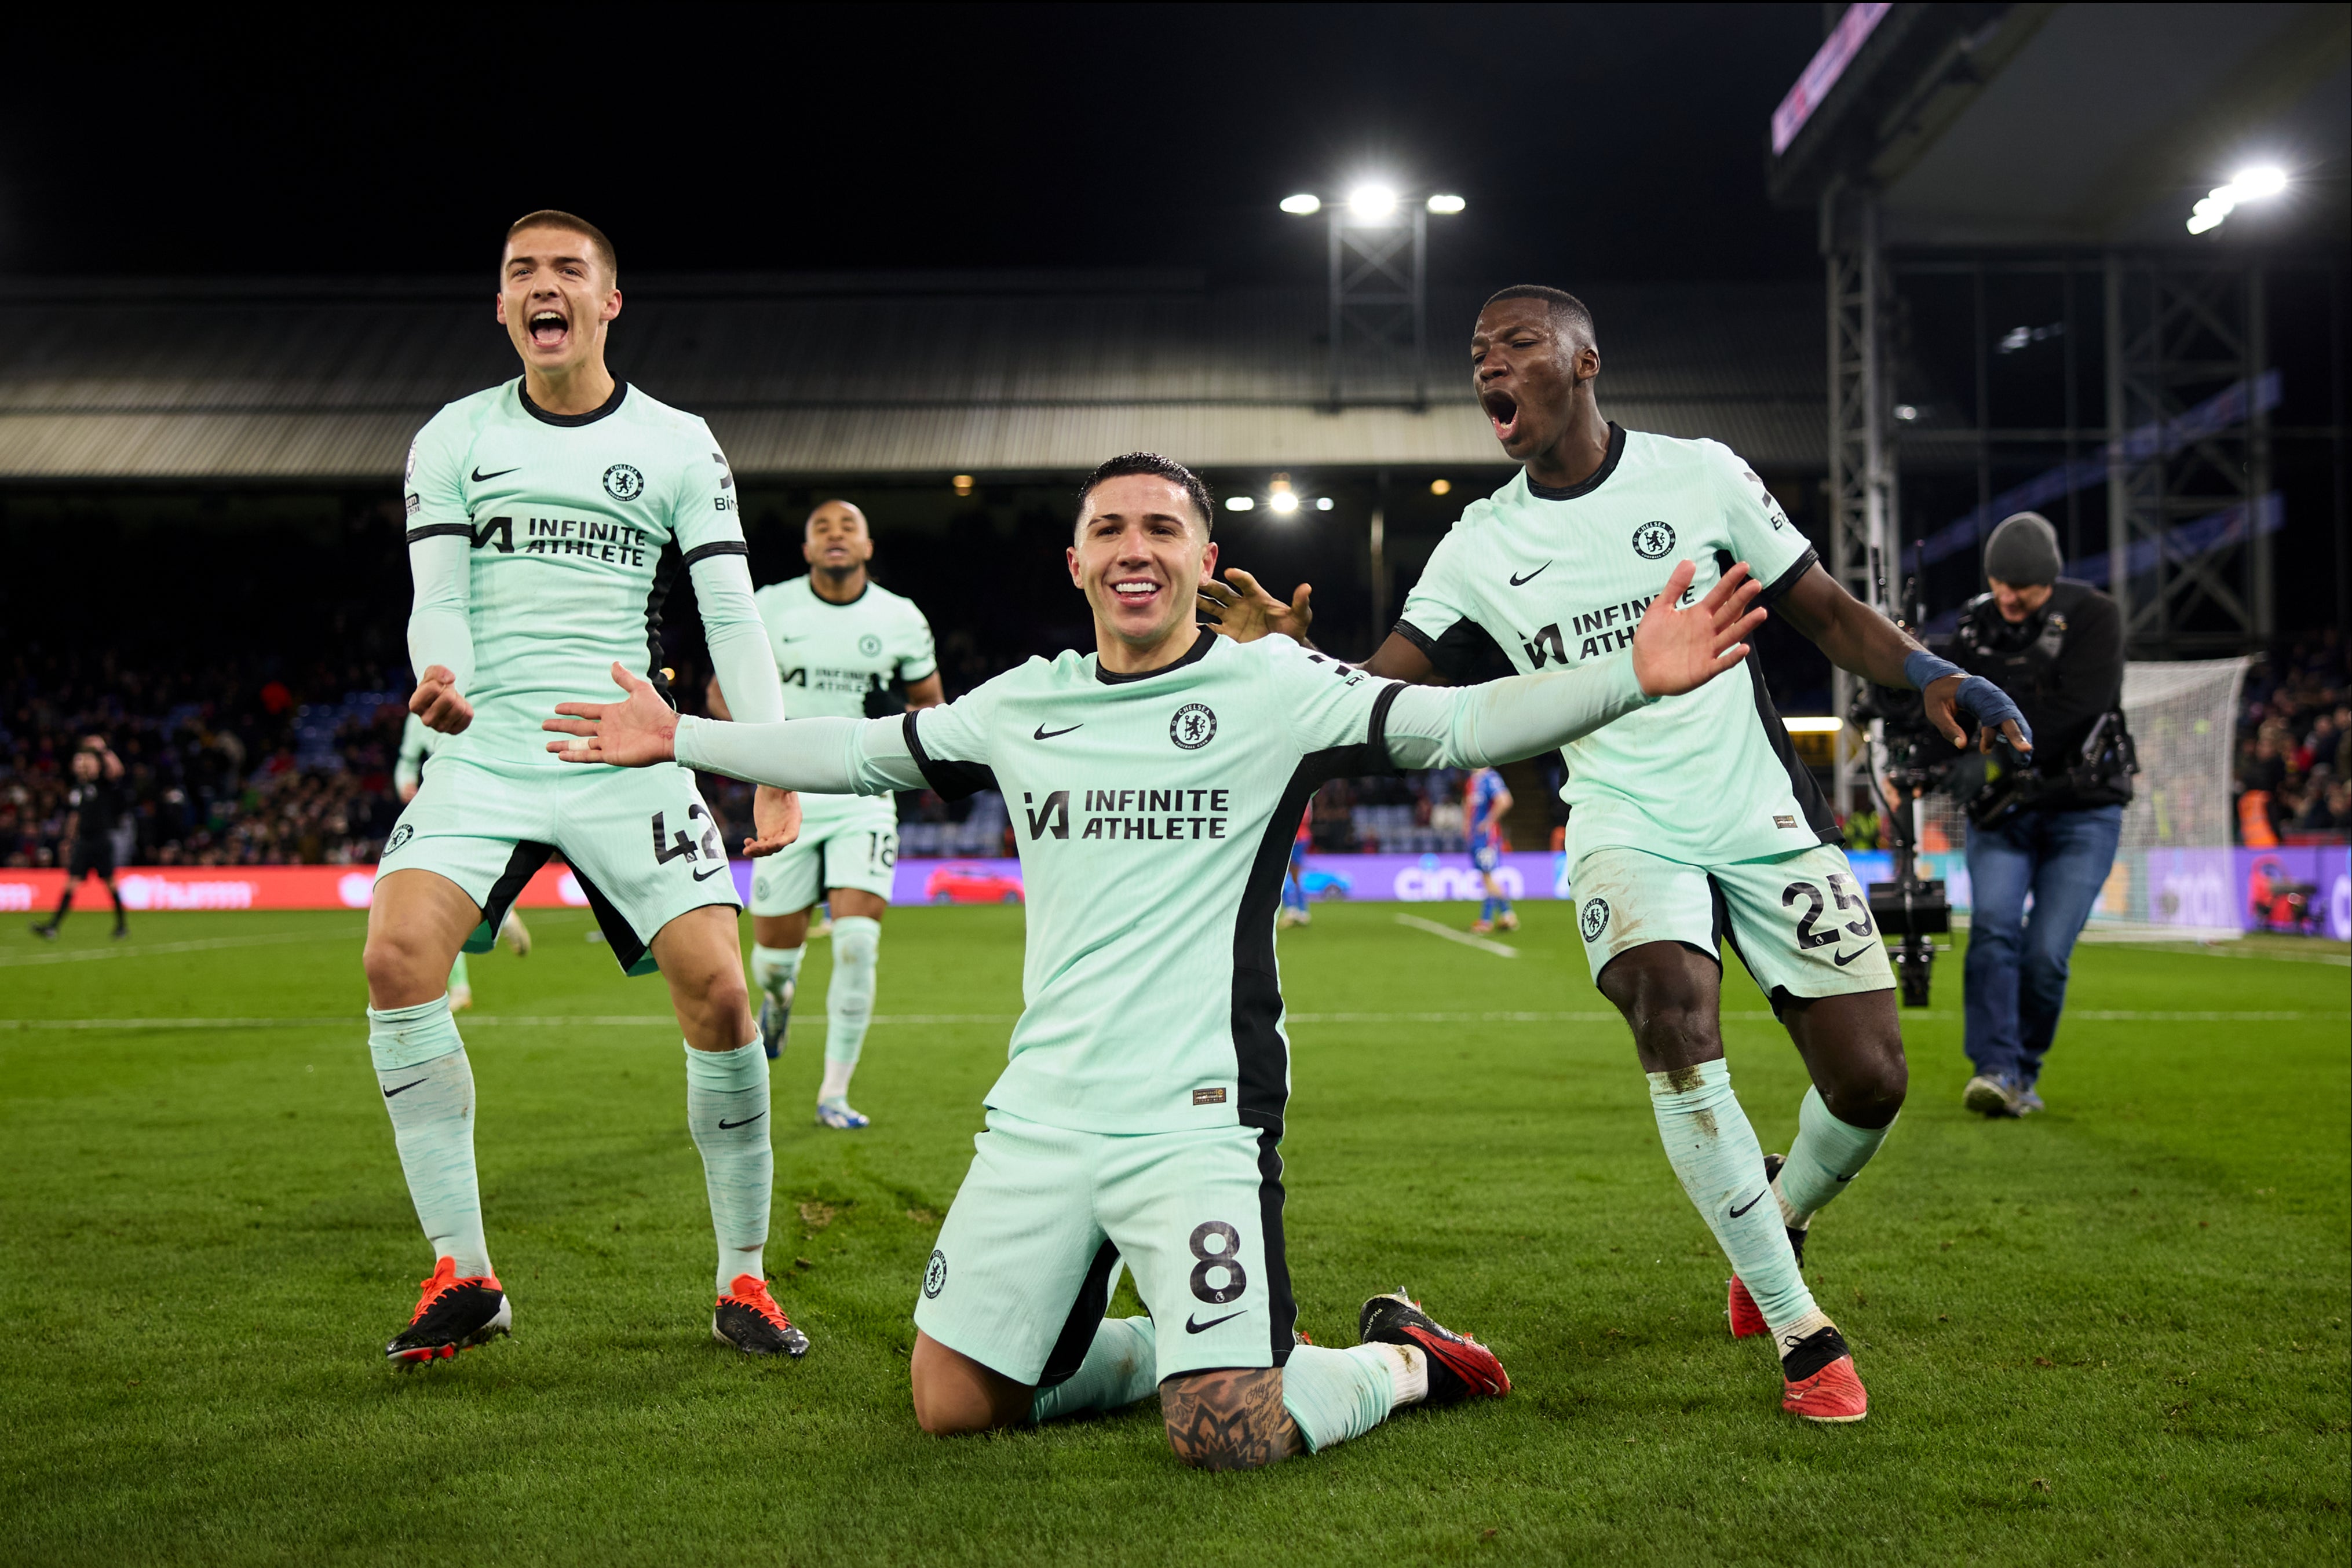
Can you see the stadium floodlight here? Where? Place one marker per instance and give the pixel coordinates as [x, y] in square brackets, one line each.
[1446, 204]
[1441, 487]
[1281, 497]
[961, 484]
[1241, 503]
[1372, 202]
[1829, 725]
[1305, 204]
[2247, 184]
[1322, 503]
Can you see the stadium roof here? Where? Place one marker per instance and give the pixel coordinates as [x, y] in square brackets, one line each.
[809, 375]
[1984, 124]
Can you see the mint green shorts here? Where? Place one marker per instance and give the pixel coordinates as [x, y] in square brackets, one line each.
[1800, 921]
[1022, 1271]
[640, 841]
[846, 841]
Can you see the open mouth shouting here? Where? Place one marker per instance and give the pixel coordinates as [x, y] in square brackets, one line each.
[549, 327]
[1502, 411]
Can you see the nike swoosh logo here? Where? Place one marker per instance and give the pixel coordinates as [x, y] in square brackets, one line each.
[1045, 734]
[726, 1126]
[1750, 1204]
[1191, 1327]
[479, 477]
[402, 1090]
[1842, 959]
[707, 876]
[1517, 581]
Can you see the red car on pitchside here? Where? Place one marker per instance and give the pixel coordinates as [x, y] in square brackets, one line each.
[971, 884]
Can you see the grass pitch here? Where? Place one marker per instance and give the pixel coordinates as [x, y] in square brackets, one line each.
[2116, 1332]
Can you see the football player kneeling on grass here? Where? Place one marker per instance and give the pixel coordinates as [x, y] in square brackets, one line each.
[1140, 1115]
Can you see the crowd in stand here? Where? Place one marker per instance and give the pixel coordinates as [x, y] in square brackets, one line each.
[2295, 746]
[247, 763]
[225, 763]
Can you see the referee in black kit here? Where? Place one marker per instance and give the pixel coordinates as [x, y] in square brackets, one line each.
[94, 807]
[2045, 824]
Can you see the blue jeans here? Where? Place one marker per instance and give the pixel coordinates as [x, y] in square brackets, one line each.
[2016, 966]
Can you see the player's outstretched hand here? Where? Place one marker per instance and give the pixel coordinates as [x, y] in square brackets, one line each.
[1990, 711]
[1677, 651]
[436, 702]
[775, 820]
[632, 733]
[1246, 612]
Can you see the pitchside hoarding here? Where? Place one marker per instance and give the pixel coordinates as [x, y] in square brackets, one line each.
[2246, 890]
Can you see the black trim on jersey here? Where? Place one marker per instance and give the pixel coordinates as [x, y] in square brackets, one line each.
[1787, 579]
[572, 420]
[1262, 1062]
[435, 530]
[619, 935]
[1600, 475]
[1808, 796]
[521, 865]
[949, 780]
[1467, 654]
[666, 571]
[717, 547]
[1077, 1335]
[1279, 1306]
[839, 603]
[1192, 655]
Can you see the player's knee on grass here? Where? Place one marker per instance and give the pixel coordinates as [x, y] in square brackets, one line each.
[1231, 1419]
[955, 1395]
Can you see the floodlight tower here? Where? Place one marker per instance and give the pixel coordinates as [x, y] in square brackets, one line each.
[1379, 291]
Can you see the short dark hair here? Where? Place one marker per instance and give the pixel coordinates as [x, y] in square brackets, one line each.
[1159, 468]
[549, 218]
[1569, 313]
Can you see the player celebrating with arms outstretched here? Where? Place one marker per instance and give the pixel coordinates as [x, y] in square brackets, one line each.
[547, 520]
[1155, 785]
[1693, 820]
[842, 643]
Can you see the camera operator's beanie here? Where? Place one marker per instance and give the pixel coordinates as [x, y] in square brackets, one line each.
[2023, 551]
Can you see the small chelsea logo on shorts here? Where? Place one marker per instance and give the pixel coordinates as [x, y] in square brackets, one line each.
[1652, 540]
[935, 1277]
[1594, 919]
[1193, 727]
[624, 482]
[400, 836]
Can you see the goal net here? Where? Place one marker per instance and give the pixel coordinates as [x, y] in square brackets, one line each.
[2172, 877]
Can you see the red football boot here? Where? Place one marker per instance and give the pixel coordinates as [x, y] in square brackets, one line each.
[1821, 1384]
[1459, 1366]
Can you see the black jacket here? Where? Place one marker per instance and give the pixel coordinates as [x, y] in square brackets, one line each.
[2063, 665]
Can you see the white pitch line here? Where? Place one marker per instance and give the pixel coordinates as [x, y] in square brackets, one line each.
[1467, 940]
[648, 1020]
[86, 955]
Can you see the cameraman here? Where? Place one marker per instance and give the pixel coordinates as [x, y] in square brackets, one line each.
[2045, 824]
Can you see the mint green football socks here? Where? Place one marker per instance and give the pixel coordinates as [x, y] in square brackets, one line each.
[1122, 1365]
[1336, 1394]
[726, 1109]
[428, 1089]
[1721, 1166]
[1827, 1155]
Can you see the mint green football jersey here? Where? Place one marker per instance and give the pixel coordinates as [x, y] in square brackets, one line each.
[1562, 578]
[1154, 815]
[580, 526]
[831, 657]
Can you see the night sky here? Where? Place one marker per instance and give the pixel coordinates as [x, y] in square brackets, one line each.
[1592, 142]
